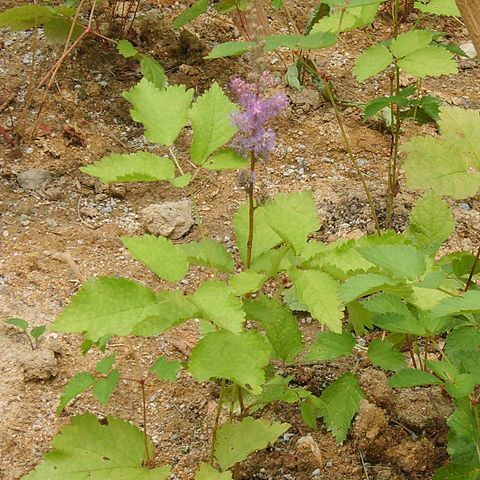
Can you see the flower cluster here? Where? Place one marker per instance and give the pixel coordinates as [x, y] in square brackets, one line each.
[252, 134]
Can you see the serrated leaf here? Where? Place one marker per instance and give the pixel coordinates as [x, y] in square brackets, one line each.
[163, 113]
[264, 237]
[160, 255]
[339, 403]
[329, 346]
[165, 369]
[103, 388]
[450, 164]
[468, 303]
[438, 7]
[384, 354]
[272, 42]
[230, 49]
[364, 284]
[76, 385]
[131, 167]
[429, 62]
[410, 377]
[396, 260]
[105, 364]
[301, 221]
[409, 42]
[280, 326]
[226, 159]
[461, 386]
[153, 71]
[431, 221]
[208, 253]
[206, 472]
[239, 358]
[211, 123]
[320, 293]
[247, 281]
[291, 300]
[126, 49]
[372, 61]
[457, 472]
[86, 449]
[218, 303]
[315, 40]
[18, 322]
[236, 441]
[320, 10]
[351, 18]
[359, 318]
[190, 13]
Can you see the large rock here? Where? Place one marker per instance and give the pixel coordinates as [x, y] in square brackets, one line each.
[34, 179]
[169, 219]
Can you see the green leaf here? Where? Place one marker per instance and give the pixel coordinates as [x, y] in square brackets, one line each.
[163, 113]
[431, 221]
[206, 472]
[171, 309]
[350, 19]
[18, 322]
[409, 42]
[329, 346]
[25, 17]
[301, 221]
[429, 62]
[339, 403]
[103, 388]
[230, 49]
[264, 237]
[293, 77]
[226, 159]
[316, 40]
[165, 369]
[372, 61]
[468, 303]
[37, 332]
[280, 326]
[86, 449]
[76, 385]
[365, 284]
[218, 303]
[239, 358]
[190, 13]
[412, 378]
[272, 42]
[105, 364]
[359, 318]
[110, 306]
[160, 255]
[321, 10]
[457, 472]
[450, 164]
[236, 441]
[396, 260]
[211, 123]
[438, 7]
[384, 354]
[126, 49]
[208, 253]
[247, 281]
[57, 28]
[132, 167]
[320, 293]
[153, 71]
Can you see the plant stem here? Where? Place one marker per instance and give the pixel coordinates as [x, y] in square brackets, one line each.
[29, 340]
[144, 408]
[251, 209]
[410, 349]
[472, 271]
[217, 418]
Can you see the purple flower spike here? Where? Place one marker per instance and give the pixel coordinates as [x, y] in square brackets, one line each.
[252, 135]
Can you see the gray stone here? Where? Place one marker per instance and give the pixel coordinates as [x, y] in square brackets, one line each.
[169, 219]
[33, 179]
[469, 49]
[39, 364]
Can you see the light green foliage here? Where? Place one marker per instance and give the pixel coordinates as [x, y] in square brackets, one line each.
[165, 369]
[76, 385]
[132, 167]
[247, 281]
[438, 7]
[103, 388]
[329, 346]
[160, 255]
[226, 159]
[264, 236]
[372, 61]
[468, 303]
[126, 49]
[230, 49]
[206, 472]
[153, 71]
[236, 441]
[190, 13]
[320, 293]
[396, 260]
[211, 123]
[218, 303]
[88, 450]
[449, 164]
[163, 113]
[359, 318]
[105, 364]
[412, 378]
[299, 223]
[431, 222]
[239, 358]
[280, 326]
[384, 354]
[208, 253]
[364, 284]
[339, 403]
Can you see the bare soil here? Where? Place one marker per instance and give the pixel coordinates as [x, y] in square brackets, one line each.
[67, 230]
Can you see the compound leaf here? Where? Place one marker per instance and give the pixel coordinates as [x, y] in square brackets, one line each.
[429, 62]
[365, 284]
[87, 450]
[468, 303]
[236, 441]
[76, 385]
[372, 61]
[247, 281]
[409, 42]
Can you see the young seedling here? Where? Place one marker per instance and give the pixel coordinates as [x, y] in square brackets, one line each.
[34, 334]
